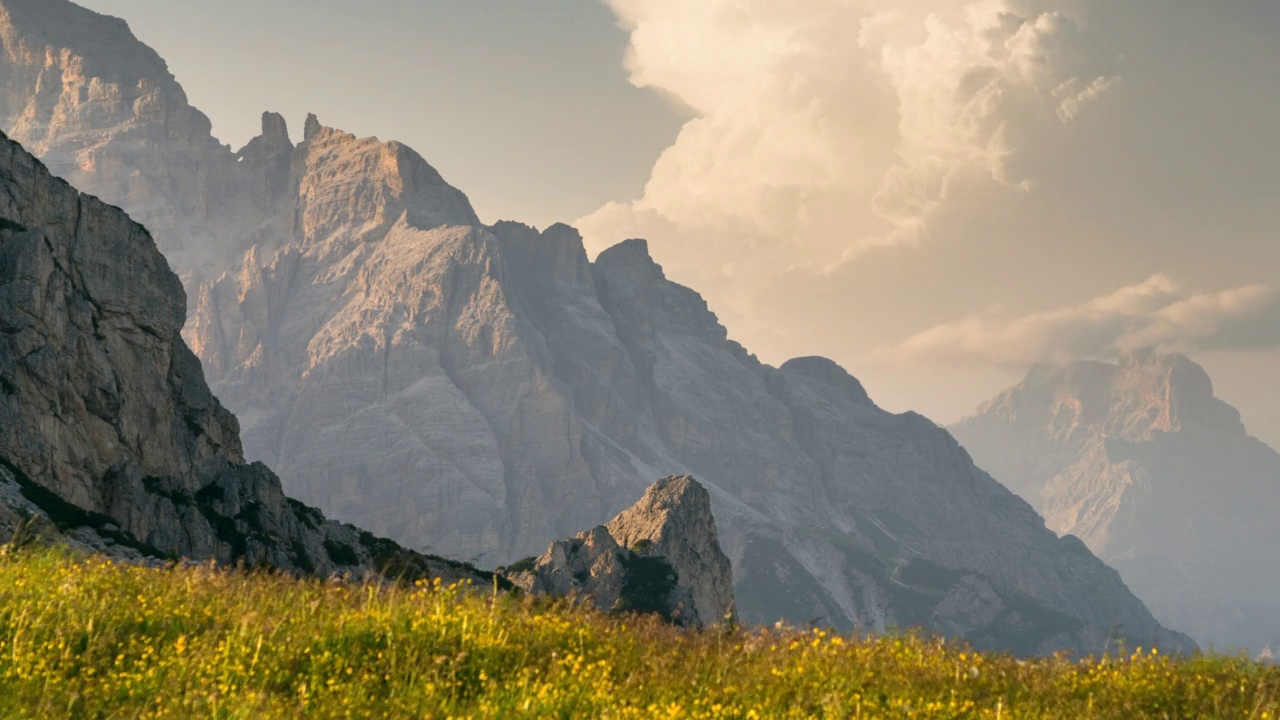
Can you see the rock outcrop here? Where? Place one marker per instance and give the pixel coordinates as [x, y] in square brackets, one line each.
[661, 555]
[107, 428]
[483, 390]
[1157, 476]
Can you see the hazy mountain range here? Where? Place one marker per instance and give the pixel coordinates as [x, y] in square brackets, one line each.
[1157, 476]
[482, 390]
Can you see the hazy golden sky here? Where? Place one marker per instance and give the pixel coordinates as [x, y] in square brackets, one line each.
[935, 193]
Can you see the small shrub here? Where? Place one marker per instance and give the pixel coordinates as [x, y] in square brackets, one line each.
[341, 553]
[210, 494]
[648, 585]
[309, 516]
[522, 565]
[302, 558]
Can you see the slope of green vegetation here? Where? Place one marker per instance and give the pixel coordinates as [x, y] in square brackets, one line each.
[85, 637]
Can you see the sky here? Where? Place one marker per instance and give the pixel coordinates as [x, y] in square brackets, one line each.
[935, 193]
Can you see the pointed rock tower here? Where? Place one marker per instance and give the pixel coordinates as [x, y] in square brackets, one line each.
[661, 555]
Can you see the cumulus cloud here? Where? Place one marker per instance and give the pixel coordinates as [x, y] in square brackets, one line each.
[1156, 314]
[974, 96]
[829, 126]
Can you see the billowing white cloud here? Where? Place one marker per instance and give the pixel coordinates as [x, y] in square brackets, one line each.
[825, 127]
[1156, 314]
[976, 95]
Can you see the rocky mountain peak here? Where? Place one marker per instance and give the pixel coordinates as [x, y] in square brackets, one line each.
[1142, 395]
[1157, 475]
[555, 256]
[1172, 393]
[384, 182]
[108, 432]
[56, 43]
[662, 554]
[632, 257]
[832, 375]
[274, 126]
[102, 111]
[311, 128]
[674, 520]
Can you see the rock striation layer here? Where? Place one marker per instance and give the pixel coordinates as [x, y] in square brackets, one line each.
[661, 555]
[107, 428]
[483, 390]
[1157, 476]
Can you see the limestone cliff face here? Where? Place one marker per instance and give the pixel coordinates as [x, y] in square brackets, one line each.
[1157, 476]
[660, 555]
[103, 112]
[107, 428]
[483, 390]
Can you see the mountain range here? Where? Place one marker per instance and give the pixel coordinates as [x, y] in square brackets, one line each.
[109, 435]
[482, 390]
[1157, 476]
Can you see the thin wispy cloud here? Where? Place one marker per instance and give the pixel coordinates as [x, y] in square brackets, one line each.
[1157, 314]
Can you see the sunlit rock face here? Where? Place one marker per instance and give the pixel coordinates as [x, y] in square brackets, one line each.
[107, 429]
[481, 391]
[661, 555]
[1157, 476]
[103, 112]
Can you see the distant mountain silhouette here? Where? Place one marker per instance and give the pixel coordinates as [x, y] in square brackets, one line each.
[1157, 476]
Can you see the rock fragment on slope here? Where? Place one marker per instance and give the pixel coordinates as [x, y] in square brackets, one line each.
[661, 555]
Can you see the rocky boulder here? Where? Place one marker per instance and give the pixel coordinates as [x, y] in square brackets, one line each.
[661, 555]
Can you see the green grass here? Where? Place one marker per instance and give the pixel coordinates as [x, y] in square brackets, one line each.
[83, 637]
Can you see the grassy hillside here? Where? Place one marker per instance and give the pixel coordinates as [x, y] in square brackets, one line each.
[83, 637]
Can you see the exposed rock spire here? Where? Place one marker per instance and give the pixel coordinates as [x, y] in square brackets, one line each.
[661, 555]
